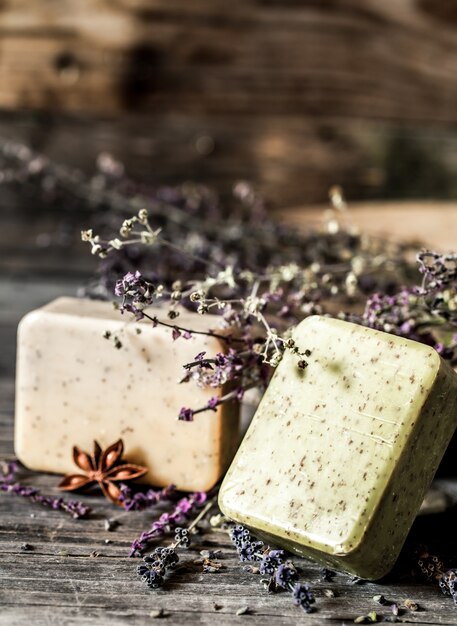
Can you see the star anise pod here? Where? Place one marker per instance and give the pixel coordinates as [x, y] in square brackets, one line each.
[104, 468]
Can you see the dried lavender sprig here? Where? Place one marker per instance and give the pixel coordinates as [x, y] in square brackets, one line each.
[434, 570]
[138, 293]
[21, 165]
[193, 214]
[9, 469]
[438, 269]
[448, 583]
[167, 521]
[227, 337]
[140, 500]
[271, 562]
[162, 559]
[423, 313]
[261, 302]
[187, 414]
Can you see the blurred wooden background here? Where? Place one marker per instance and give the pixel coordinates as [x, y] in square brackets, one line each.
[292, 95]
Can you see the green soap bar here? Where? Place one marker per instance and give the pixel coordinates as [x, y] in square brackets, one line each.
[338, 457]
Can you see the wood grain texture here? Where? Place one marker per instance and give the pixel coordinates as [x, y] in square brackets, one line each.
[431, 224]
[294, 96]
[58, 582]
[292, 160]
[355, 58]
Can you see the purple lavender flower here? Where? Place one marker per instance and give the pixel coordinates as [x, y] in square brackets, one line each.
[136, 293]
[186, 414]
[303, 596]
[439, 269]
[213, 403]
[270, 562]
[250, 550]
[167, 521]
[448, 583]
[156, 565]
[75, 508]
[129, 281]
[238, 534]
[285, 574]
[140, 500]
[150, 576]
[182, 537]
[217, 371]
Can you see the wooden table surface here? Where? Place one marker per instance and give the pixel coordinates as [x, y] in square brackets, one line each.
[60, 581]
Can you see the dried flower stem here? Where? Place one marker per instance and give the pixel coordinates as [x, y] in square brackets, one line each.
[227, 338]
[159, 562]
[208, 506]
[168, 521]
[140, 500]
[271, 562]
[9, 469]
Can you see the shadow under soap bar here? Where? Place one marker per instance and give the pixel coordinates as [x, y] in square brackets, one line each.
[74, 386]
[338, 457]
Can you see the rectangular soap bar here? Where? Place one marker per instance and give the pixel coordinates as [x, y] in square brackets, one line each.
[338, 457]
[74, 386]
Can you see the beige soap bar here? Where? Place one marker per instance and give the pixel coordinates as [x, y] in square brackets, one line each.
[74, 386]
[338, 457]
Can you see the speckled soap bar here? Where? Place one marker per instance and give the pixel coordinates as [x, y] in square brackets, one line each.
[74, 386]
[339, 456]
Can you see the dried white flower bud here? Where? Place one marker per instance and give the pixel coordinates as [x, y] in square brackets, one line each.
[351, 284]
[117, 244]
[147, 237]
[87, 235]
[143, 216]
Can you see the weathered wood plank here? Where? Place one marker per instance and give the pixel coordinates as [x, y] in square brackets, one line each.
[294, 96]
[291, 159]
[356, 59]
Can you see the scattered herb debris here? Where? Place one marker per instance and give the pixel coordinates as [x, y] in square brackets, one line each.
[326, 575]
[355, 580]
[380, 599]
[244, 610]
[26, 547]
[157, 614]
[411, 605]
[209, 566]
[111, 524]
[371, 618]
